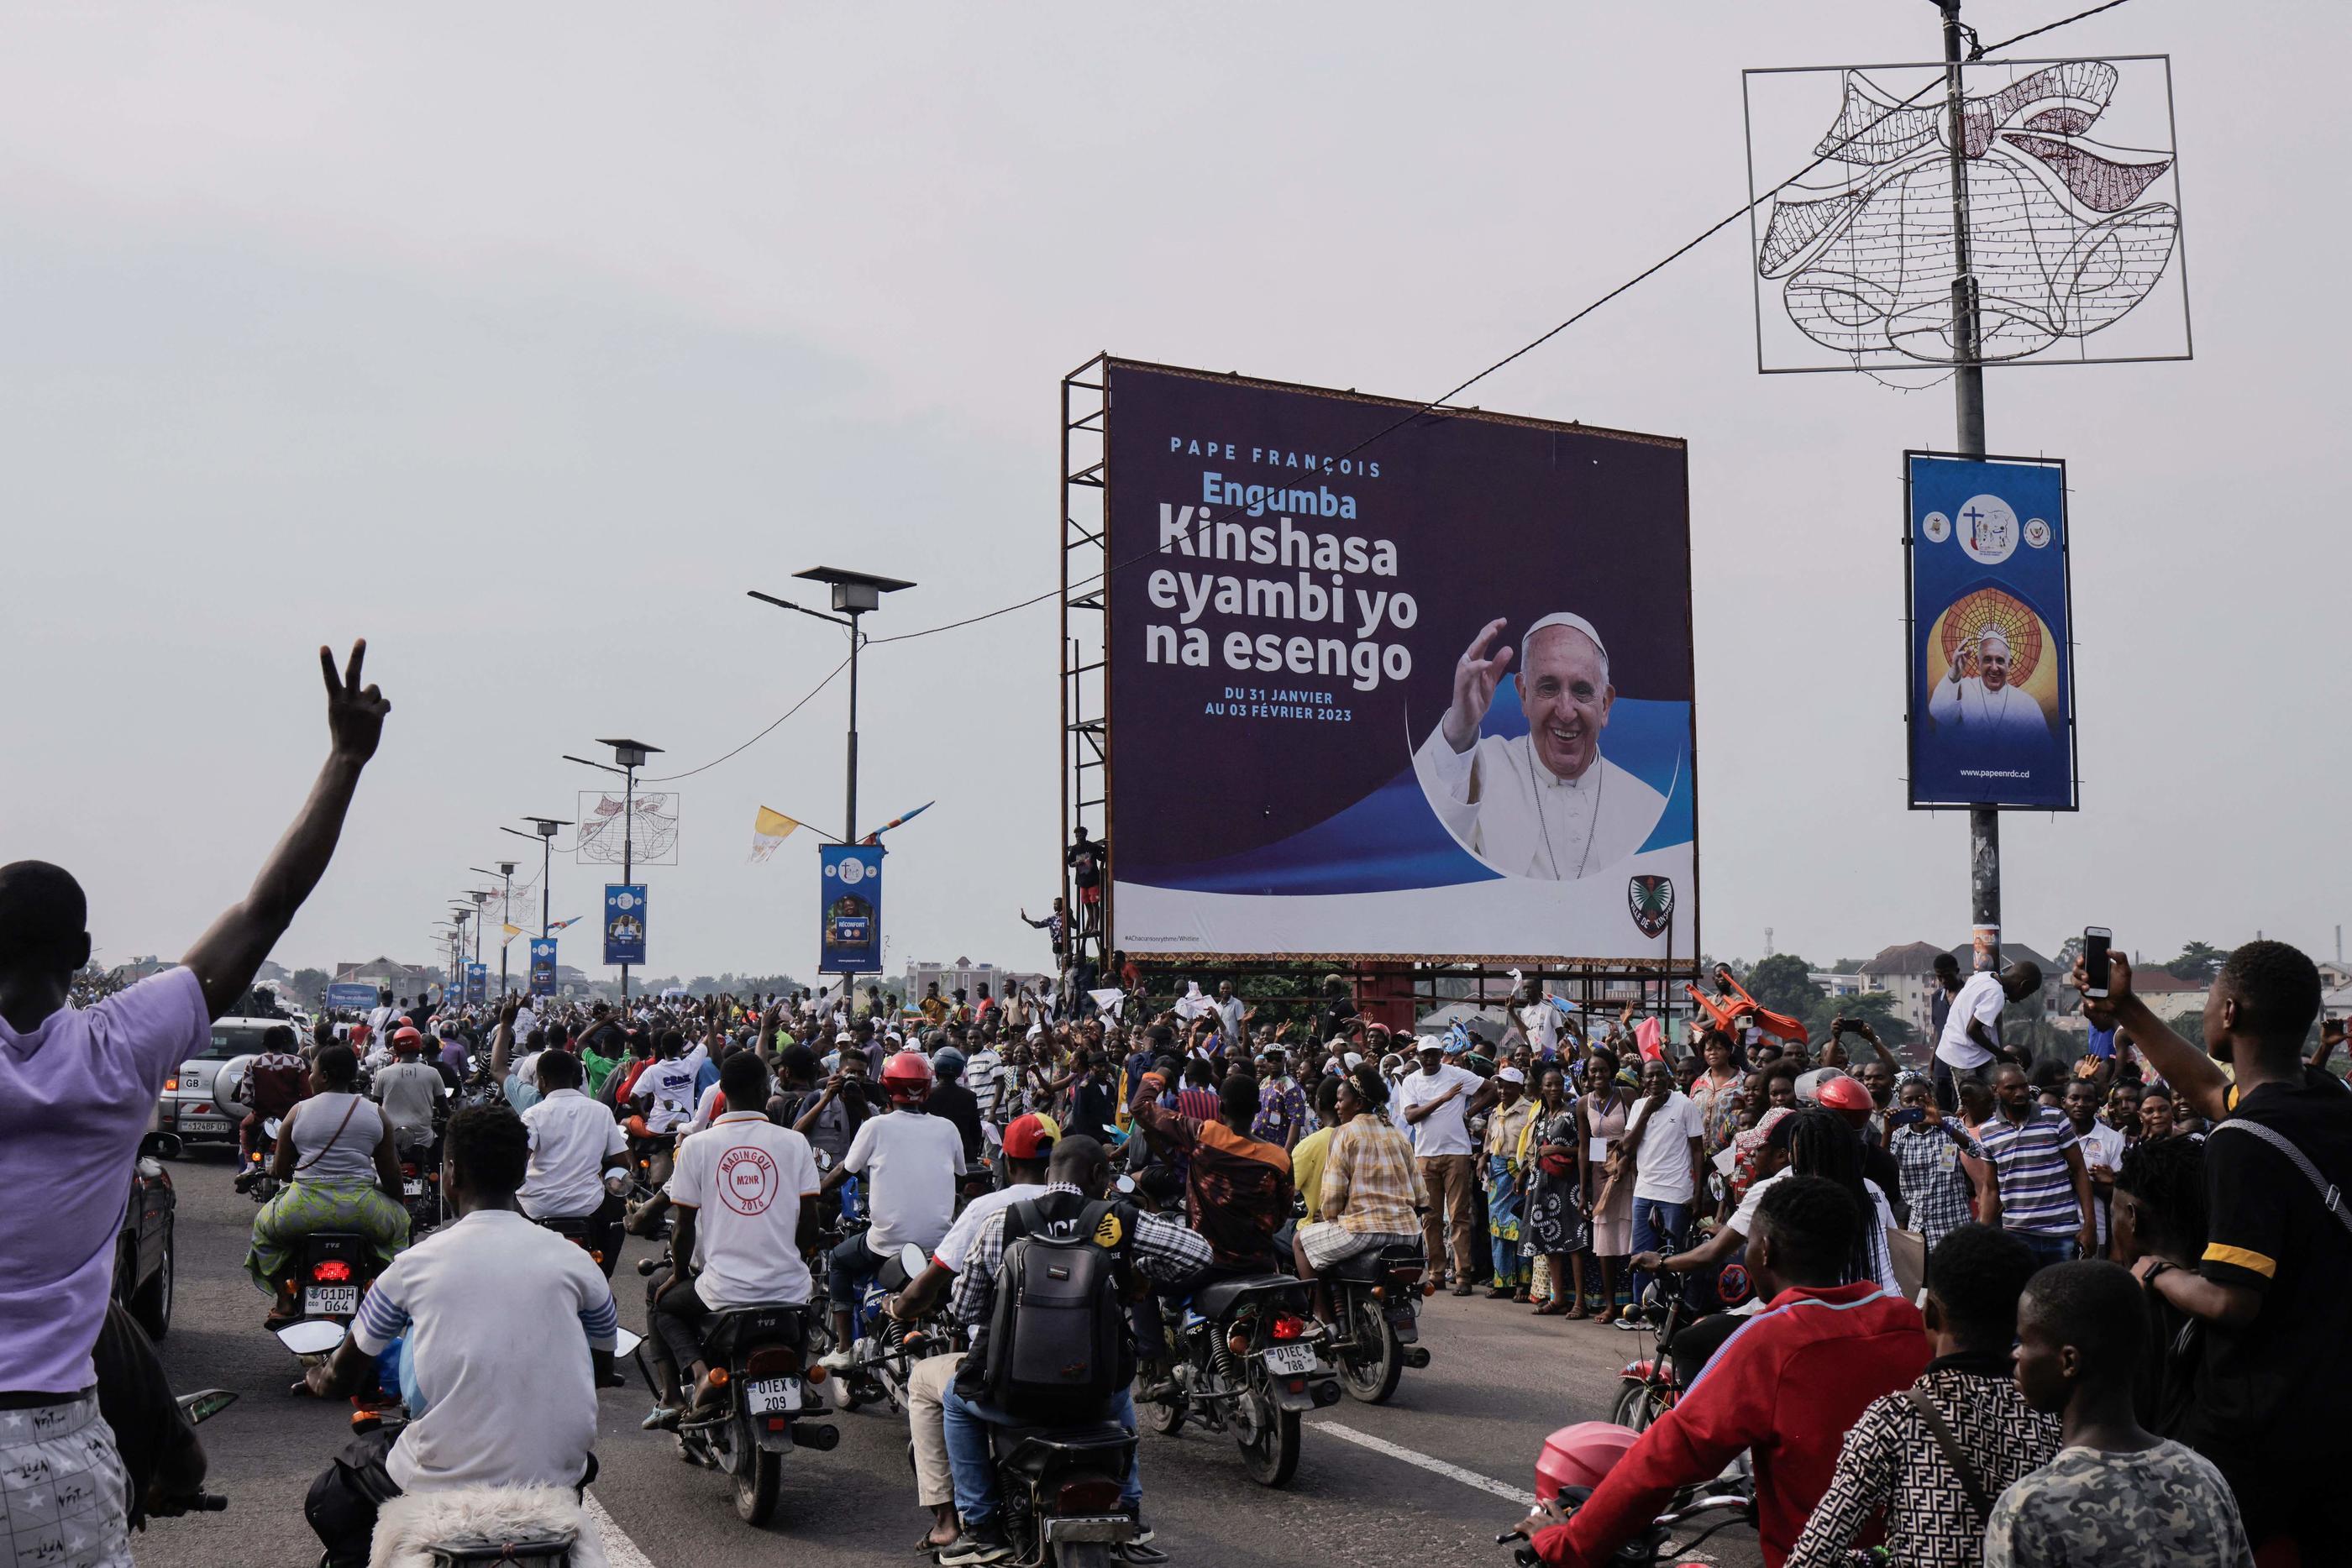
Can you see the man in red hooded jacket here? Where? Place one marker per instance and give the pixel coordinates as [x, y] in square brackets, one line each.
[1788, 1386]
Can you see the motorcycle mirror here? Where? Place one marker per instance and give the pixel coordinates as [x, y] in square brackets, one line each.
[160, 1146]
[913, 1260]
[206, 1404]
[1126, 1186]
[312, 1337]
[624, 1342]
[824, 1160]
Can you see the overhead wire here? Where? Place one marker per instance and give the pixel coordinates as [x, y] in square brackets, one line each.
[1977, 52]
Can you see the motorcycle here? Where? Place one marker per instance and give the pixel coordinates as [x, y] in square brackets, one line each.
[1574, 1461]
[1376, 1317]
[330, 1273]
[885, 1349]
[255, 1181]
[766, 1394]
[1249, 1363]
[1060, 1488]
[420, 1186]
[1650, 1382]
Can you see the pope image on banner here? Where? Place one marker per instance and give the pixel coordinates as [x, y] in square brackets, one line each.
[542, 966]
[850, 909]
[625, 922]
[1991, 695]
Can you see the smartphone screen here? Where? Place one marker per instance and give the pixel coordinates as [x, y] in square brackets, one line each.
[2095, 942]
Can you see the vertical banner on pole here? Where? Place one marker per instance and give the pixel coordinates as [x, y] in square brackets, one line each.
[1992, 697]
[850, 909]
[625, 922]
[542, 966]
[477, 983]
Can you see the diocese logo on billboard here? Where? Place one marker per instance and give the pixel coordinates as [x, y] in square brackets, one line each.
[1391, 682]
[1992, 700]
[850, 909]
[625, 922]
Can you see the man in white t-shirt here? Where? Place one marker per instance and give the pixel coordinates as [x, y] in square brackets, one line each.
[2102, 1149]
[1971, 1036]
[1665, 1130]
[574, 1142]
[1436, 1105]
[498, 1392]
[744, 1192]
[908, 1161]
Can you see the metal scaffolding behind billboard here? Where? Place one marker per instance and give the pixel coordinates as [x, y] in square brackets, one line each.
[1085, 628]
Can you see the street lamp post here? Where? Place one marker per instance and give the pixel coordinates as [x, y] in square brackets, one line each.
[546, 836]
[457, 947]
[631, 755]
[854, 594]
[505, 874]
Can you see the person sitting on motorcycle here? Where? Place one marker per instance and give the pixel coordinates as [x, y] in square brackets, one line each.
[497, 1395]
[276, 1081]
[336, 1161]
[1371, 1187]
[1152, 1250]
[745, 1195]
[410, 1092]
[663, 1096]
[1236, 1192]
[1786, 1387]
[1028, 1143]
[914, 1159]
[573, 1142]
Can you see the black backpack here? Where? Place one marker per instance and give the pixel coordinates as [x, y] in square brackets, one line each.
[1058, 1344]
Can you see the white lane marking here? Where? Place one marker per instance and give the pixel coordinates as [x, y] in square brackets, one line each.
[1434, 1466]
[621, 1551]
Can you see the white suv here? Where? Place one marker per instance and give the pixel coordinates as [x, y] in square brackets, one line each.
[186, 1107]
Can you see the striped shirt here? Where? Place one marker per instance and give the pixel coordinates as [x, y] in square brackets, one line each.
[2029, 1161]
[1371, 1170]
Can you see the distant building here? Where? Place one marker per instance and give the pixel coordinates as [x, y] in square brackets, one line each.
[970, 976]
[1908, 973]
[1841, 985]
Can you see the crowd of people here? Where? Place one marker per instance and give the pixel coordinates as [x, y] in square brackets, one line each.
[2020, 1310]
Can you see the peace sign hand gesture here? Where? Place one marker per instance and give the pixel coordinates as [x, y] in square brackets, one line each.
[355, 713]
[1474, 678]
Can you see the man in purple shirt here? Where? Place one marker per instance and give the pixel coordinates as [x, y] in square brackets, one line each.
[77, 1088]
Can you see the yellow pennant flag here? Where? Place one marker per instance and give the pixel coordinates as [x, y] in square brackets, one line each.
[769, 829]
[512, 931]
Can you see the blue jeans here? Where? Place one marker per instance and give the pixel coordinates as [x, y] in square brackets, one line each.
[974, 1467]
[1658, 1228]
[854, 1263]
[2048, 1248]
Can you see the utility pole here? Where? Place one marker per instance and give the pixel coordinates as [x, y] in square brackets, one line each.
[1967, 397]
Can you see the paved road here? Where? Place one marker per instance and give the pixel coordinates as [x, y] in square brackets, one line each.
[1500, 1380]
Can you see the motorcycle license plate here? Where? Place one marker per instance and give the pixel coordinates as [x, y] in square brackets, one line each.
[773, 1395]
[331, 1300]
[413, 1188]
[1291, 1360]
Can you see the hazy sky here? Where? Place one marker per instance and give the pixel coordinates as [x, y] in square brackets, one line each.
[523, 339]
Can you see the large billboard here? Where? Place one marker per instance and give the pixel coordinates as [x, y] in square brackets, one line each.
[1992, 697]
[849, 914]
[1392, 682]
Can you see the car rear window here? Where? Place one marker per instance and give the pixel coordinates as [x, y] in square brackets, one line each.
[233, 1039]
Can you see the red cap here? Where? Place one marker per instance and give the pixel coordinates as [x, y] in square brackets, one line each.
[1030, 1137]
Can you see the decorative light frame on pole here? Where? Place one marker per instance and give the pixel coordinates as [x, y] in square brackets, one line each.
[631, 756]
[854, 594]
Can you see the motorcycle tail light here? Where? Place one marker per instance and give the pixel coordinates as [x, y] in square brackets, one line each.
[1406, 1275]
[717, 1378]
[331, 1270]
[771, 1361]
[1287, 1326]
[1094, 1495]
[817, 1373]
[775, 1423]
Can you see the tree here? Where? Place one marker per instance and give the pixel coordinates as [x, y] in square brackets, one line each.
[1782, 983]
[2198, 961]
[310, 985]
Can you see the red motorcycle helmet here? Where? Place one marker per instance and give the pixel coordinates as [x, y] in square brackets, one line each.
[907, 1078]
[1579, 1456]
[1840, 1093]
[405, 1036]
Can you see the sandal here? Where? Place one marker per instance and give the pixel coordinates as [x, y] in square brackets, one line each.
[1607, 1315]
[1578, 1313]
[1521, 1296]
[1550, 1310]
